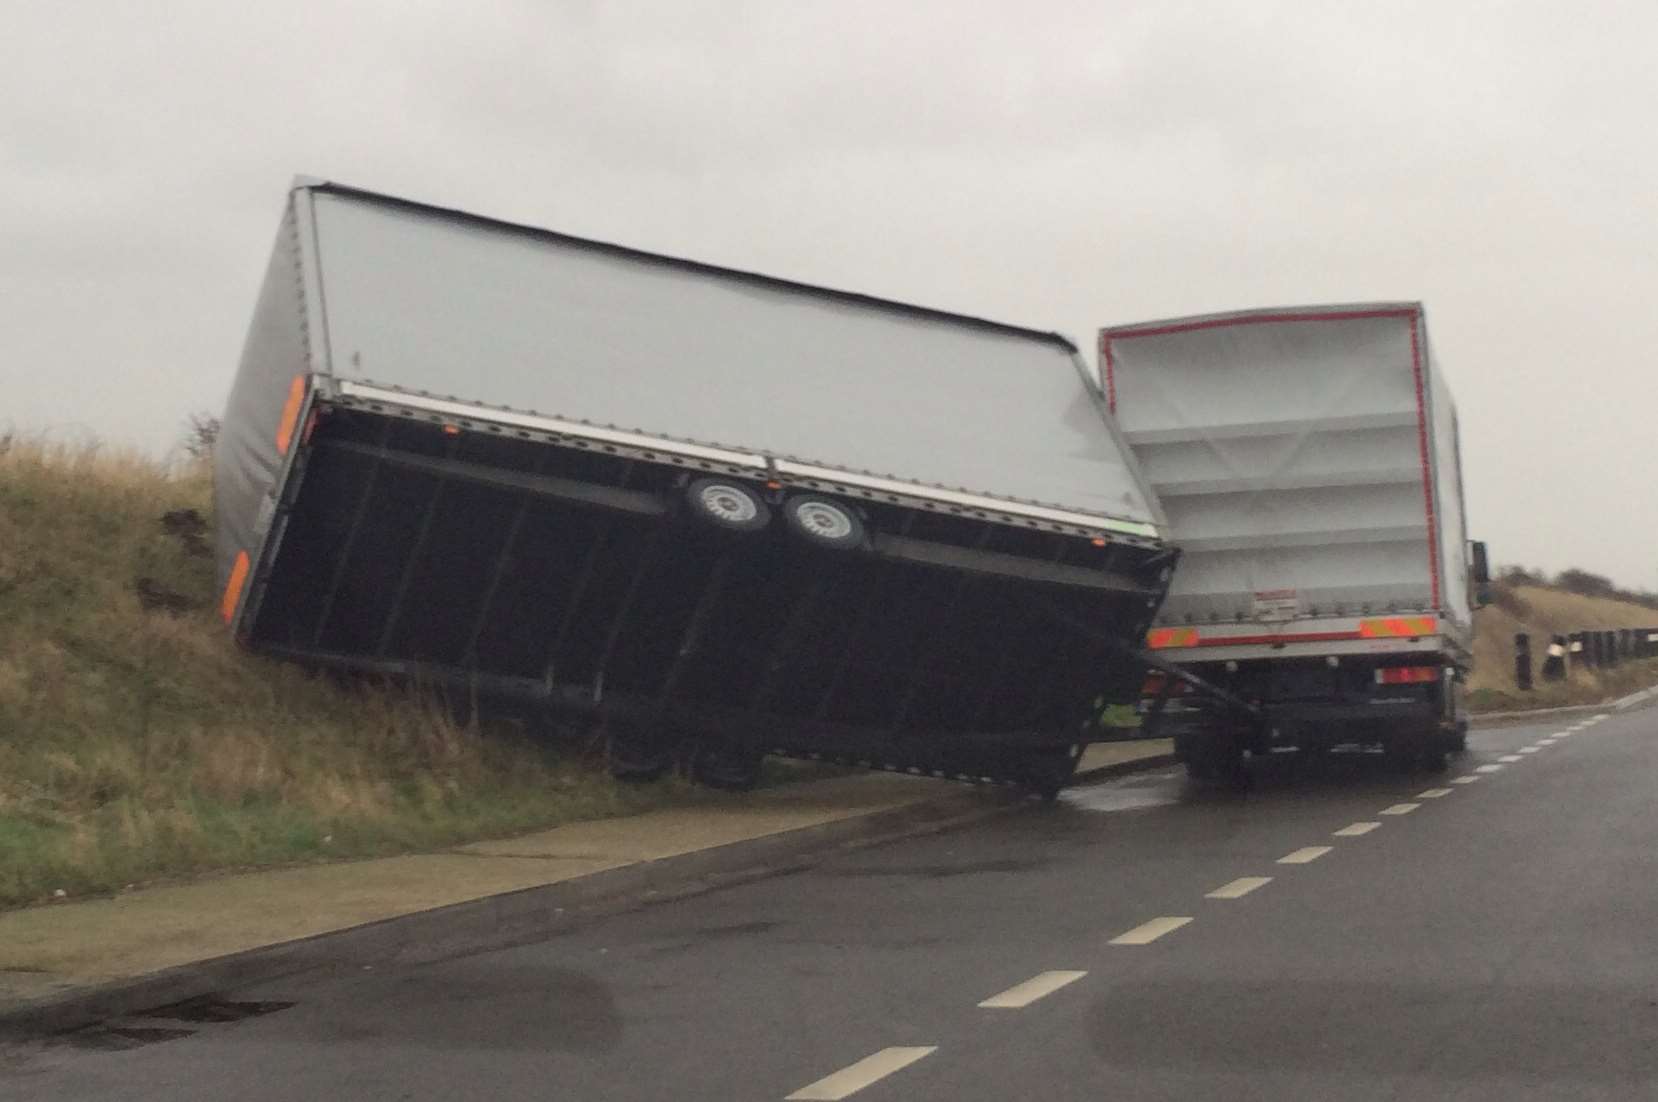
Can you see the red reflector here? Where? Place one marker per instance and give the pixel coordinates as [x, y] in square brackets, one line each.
[1153, 686]
[1406, 675]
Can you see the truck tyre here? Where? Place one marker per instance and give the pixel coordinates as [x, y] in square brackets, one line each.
[721, 765]
[824, 522]
[635, 754]
[1459, 737]
[727, 504]
[1216, 757]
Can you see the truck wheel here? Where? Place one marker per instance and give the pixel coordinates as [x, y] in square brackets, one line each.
[728, 504]
[1216, 757]
[723, 766]
[1459, 738]
[824, 522]
[637, 755]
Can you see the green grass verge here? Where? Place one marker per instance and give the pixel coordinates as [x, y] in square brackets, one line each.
[138, 744]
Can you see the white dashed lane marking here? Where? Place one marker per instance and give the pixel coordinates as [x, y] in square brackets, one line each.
[1530, 749]
[1488, 769]
[1469, 779]
[854, 1078]
[1148, 932]
[1433, 793]
[1400, 809]
[1511, 758]
[1239, 887]
[1356, 830]
[1304, 855]
[1023, 994]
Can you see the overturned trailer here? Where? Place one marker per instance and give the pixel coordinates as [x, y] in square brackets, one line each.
[719, 513]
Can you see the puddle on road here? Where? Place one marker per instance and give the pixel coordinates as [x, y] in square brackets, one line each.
[1128, 794]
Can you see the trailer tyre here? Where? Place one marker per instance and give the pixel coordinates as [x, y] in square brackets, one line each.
[727, 504]
[824, 522]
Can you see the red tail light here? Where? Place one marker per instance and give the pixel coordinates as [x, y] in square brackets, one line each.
[1153, 685]
[1406, 675]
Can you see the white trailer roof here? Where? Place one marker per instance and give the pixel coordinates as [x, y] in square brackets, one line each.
[430, 300]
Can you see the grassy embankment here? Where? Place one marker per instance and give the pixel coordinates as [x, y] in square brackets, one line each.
[137, 743]
[1543, 611]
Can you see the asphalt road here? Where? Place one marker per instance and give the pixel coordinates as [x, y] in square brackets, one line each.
[1498, 940]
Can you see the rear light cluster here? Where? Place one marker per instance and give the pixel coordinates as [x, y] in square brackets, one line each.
[1153, 686]
[1406, 675]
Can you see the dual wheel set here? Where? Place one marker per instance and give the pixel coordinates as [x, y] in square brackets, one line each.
[1212, 756]
[734, 506]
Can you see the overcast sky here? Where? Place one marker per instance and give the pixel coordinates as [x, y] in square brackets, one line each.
[1060, 165]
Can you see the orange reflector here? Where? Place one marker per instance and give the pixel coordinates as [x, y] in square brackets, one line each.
[233, 588]
[1388, 627]
[1098, 541]
[451, 430]
[290, 415]
[774, 485]
[1406, 675]
[1171, 637]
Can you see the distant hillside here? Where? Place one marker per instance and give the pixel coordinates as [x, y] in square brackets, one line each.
[1545, 610]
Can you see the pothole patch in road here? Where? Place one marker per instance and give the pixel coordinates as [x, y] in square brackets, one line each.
[123, 1035]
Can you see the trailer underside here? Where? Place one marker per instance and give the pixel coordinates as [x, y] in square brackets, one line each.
[584, 579]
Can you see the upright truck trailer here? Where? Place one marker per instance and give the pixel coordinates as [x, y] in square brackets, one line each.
[1307, 461]
[717, 513]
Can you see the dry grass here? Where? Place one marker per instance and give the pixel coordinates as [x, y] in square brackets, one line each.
[138, 743]
[1544, 611]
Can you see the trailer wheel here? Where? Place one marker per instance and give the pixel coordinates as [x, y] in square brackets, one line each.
[637, 755]
[728, 504]
[731, 768]
[824, 522]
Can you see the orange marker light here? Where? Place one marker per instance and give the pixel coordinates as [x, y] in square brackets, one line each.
[290, 414]
[1098, 541]
[451, 430]
[233, 588]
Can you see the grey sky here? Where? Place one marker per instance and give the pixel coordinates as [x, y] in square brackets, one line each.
[1061, 165]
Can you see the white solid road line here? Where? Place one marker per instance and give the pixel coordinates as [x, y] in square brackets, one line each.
[849, 1080]
[1487, 768]
[1511, 758]
[1148, 932]
[1400, 809]
[1239, 888]
[1304, 855]
[1023, 994]
[1433, 793]
[1356, 830]
[1469, 779]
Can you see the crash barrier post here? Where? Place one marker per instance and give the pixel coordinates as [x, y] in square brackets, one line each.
[1522, 661]
[1577, 649]
[1609, 648]
[1554, 666]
